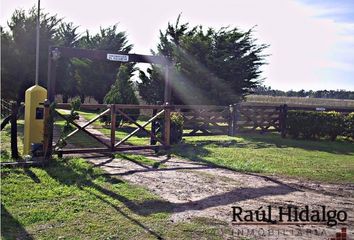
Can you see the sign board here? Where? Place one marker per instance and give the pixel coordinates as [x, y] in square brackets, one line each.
[117, 57]
[39, 113]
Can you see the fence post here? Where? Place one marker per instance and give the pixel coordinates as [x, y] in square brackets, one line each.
[113, 126]
[48, 131]
[283, 114]
[167, 126]
[14, 148]
[153, 128]
[236, 117]
[231, 120]
[167, 102]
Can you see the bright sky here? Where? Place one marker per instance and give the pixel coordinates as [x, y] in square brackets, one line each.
[312, 41]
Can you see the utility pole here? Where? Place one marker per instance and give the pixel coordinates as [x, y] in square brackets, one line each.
[37, 41]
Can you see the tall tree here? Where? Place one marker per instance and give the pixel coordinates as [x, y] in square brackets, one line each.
[68, 37]
[9, 67]
[19, 48]
[210, 66]
[122, 91]
[101, 75]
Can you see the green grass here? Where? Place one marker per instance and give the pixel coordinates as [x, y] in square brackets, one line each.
[6, 139]
[88, 115]
[70, 199]
[270, 154]
[80, 139]
[141, 138]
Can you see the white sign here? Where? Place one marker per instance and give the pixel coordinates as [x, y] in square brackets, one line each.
[117, 57]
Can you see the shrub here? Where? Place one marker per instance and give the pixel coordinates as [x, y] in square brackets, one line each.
[313, 125]
[349, 125]
[177, 121]
[75, 105]
[176, 127]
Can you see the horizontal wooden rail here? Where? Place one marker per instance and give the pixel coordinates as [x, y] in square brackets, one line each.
[103, 150]
[204, 107]
[196, 107]
[21, 163]
[117, 106]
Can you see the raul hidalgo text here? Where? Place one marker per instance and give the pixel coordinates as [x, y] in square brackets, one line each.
[288, 214]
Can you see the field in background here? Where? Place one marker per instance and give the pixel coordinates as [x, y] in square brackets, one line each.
[303, 101]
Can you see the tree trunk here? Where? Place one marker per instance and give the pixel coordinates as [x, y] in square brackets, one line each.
[82, 98]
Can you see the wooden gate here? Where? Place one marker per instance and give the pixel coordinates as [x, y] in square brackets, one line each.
[105, 140]
[204, 120]
[249, 118]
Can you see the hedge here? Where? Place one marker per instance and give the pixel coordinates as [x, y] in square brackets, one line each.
[349, 125]
[314, 125]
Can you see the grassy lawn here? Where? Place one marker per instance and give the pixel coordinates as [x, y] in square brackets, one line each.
[69, 199]
[270, 154]
[267, 154]
[6, 139]
[72, 200]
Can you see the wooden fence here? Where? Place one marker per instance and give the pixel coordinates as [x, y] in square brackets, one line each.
[222, 120]
[13, 111]
[246, 118]
[198, 120]
[204, 120]
[240, 118]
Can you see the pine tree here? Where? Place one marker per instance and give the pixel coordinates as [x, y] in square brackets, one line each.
[217, 67]
[122, 92]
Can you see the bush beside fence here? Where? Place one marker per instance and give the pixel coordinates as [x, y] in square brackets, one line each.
[349, 125]
[315, 125]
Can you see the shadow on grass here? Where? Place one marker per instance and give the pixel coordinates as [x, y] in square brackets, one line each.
[128, 129]
[196, 153]
[257, 141]
[83, 177]
[32, 175]
[231, 197]
[11, 228]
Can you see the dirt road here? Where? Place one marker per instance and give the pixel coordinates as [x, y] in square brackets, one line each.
[193, 189]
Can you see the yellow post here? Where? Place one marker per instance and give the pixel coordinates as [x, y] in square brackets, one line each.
[34, 116]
